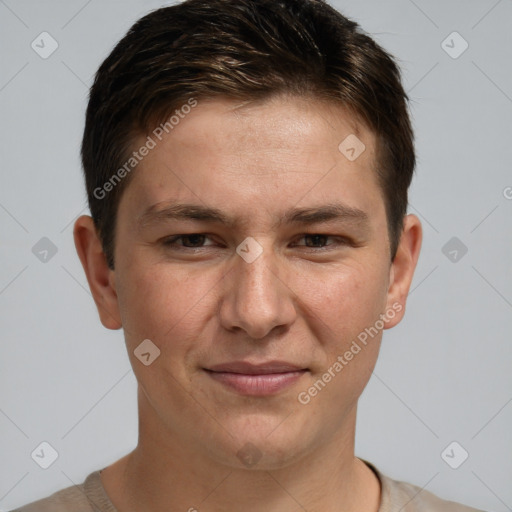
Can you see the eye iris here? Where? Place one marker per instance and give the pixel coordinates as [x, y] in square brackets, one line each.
[195, 240]
[317, 239]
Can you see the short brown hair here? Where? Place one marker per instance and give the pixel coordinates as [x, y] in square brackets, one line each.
[248, 50]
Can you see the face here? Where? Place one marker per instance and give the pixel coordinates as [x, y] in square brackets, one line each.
[254, 254]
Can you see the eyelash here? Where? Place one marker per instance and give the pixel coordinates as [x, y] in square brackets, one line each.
[170, 242]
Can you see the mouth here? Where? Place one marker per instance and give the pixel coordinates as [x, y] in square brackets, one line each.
[268, 378]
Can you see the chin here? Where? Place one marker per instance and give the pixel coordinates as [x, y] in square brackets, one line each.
[261, 444]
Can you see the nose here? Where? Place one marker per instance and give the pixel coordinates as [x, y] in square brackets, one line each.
[256, 297]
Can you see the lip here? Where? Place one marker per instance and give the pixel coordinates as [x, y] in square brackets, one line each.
[260, 379]
[263, 368]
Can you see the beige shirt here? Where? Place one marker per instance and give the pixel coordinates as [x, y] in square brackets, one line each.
[395, 497]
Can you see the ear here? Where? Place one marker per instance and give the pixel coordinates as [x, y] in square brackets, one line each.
[100, 277]
[402, 269]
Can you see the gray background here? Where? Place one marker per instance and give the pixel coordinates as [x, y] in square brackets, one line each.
[444, 373]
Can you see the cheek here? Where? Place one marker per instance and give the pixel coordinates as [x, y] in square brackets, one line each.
[345, 299]
[346, 302]
[147, 301]
[164, 303]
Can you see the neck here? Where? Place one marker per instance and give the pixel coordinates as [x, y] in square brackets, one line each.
[162, 473]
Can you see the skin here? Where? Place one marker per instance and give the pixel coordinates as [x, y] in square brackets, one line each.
[302, 301]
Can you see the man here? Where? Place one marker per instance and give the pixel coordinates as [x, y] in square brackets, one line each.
[247, 165]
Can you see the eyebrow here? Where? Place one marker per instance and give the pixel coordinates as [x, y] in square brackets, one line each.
[161, 212]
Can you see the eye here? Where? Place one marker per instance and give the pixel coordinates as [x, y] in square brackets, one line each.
[191, 241]
[198, 241]
[319, 241]
[316, 240]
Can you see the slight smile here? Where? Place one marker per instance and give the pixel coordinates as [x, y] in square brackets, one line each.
[256, 379]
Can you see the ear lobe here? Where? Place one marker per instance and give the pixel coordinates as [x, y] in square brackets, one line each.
[99, 276]
[402, 269]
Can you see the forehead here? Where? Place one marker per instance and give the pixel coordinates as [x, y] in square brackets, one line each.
[286, 123]
[257, 158]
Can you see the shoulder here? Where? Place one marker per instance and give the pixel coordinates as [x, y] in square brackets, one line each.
[405, 497]
[86, 497]
[411, 498]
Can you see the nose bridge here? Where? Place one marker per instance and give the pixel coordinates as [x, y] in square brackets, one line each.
[256, 300]
[256, 279]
